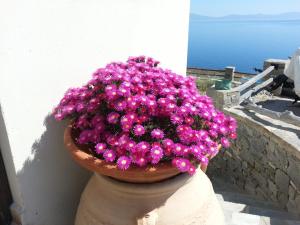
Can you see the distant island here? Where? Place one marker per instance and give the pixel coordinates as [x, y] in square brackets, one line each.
[253, 17]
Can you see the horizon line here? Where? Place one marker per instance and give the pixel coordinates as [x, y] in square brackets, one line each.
[253, 14]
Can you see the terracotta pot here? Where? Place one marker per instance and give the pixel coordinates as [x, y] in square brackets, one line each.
[182, 200]
[177, 199]
[134, 174]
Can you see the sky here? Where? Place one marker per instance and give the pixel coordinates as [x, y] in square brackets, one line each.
[227, 7]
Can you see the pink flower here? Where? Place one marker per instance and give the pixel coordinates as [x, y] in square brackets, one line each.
[120, 105]
[151, 103]
[112, 140]
[113, 117]
[80, 107]
[233, 135]
[168, 143]
[186, 150]
[225, 143]
[178, 149]
[163, 102]
[100, 148]
[130, 145]
[175, 119]
[85, 136]
[59, 116]
[142, 147]
[182, 128]
[124, 89]
[171, 107]
[138, 130]
[120, 151]
[156, 153]
[157, 134]
[123, 162]
[126, 127]
[126, 123]
[123, 140]
[183, 110]
[189, 120]
[223, 130]
[212, 150]
[132, 116]
[109, 155]
[125, 120]
[203, 160]
[132, 104]
[213, 133]
[141, 161]
[97, 119]
[183, 165]
[171, 98]
[195, 150]
[111, 92]
[192, 170]
[143, 118]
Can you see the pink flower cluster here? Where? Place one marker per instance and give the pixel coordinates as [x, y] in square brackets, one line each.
[136, 113]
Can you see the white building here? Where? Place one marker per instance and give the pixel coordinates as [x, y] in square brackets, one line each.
[47, 47]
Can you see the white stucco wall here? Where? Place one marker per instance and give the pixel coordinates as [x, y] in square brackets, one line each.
[48, 46]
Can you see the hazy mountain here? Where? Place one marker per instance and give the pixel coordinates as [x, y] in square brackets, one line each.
[255, 17]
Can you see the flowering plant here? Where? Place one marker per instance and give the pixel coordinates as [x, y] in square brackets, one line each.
[136, 113]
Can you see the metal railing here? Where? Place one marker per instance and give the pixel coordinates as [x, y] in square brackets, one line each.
[251, 88]
[247, 89]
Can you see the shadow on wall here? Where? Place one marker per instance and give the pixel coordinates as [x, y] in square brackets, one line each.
[267, 123]
[278, 105]
[5, 194]
[51, 183]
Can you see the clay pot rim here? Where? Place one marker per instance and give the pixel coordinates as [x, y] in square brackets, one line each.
[148, 174]
[134, 174]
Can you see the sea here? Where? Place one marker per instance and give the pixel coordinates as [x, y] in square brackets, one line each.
[243, 44]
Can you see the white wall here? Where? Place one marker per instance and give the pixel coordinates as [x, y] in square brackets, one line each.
[48, 46]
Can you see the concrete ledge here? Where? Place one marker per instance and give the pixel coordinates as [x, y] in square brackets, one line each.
[224, 98]
[283, 133]
[280, 65]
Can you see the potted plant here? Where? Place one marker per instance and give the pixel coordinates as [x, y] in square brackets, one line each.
[135, 119]
[139, 123]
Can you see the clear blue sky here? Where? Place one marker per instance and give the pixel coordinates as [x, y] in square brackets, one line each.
[226, 7]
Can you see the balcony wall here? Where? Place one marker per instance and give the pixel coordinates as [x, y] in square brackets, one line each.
[264, 160]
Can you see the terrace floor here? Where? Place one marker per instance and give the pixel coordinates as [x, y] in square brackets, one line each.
[280, 104]
[241, 208]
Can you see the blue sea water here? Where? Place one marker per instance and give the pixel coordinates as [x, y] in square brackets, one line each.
[243, 44]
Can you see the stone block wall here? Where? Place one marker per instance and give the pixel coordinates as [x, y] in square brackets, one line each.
[264, 161]
[223, 98]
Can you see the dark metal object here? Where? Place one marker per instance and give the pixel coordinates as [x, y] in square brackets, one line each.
[287, 87]
[257, 70]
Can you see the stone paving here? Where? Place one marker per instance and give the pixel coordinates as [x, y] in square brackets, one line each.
[242, 209]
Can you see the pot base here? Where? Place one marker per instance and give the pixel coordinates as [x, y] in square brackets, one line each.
[182, 200]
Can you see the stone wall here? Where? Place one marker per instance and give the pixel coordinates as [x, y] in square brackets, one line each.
[264, 160]
[204, 73]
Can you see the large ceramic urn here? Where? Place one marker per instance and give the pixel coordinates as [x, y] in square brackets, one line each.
[148, 196]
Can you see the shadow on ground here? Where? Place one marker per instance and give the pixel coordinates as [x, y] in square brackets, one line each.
[267, 123]
[281, 105]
